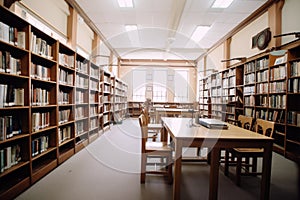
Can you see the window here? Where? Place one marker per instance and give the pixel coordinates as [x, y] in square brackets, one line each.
[139, 85]
[181, 85]
[159, 85]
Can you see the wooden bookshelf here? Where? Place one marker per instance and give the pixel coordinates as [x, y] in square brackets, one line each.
[269, 88]
[53, 100]
[119, 102]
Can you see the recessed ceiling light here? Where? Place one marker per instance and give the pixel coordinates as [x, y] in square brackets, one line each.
[125, 3]
[199, 33]
[222, 3]
[131, 27]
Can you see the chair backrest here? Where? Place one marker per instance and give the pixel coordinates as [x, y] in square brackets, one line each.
[265, 126]
[146, 113]
[245, 122]
[144, 131]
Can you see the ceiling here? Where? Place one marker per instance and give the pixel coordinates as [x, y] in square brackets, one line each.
[165, 26]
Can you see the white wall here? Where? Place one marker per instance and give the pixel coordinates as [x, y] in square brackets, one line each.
[290, 19]
[53, 11]
[85, 35]
[213, 60]
[242, 41]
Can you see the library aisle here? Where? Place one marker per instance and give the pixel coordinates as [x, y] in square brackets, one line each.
[107, 169]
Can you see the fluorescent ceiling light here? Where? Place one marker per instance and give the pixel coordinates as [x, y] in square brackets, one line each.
[125, 3]
[199, 33]
[131, 27]
[222, 3]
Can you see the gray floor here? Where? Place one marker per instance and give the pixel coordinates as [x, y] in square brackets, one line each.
[108, 169]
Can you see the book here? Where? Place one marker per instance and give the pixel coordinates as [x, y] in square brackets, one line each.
[212, 123]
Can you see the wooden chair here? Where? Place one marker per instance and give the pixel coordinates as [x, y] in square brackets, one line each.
[261, 126]
[159, 152]
[246, 123]
[153, 129]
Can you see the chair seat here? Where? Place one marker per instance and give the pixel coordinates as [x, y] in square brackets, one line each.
[155, 126]
[157, 146]
[249, 150]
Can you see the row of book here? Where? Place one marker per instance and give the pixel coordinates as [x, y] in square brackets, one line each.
[9, 127]
[63, 97]
[249, 90]
[82, 66]
[230, 72]
[262, 88]
[64, 116]
[82, 82]
[276, 116]
[79, 127]
[39, 145]
[80, 112]
[262, 76]
[9, 156]
[293, 117]
[9, 64]
[93, 123]
[66, 77]
[279, 86]
[278, 73]
[249, 100]
[262, 64]
[249, 67]
[66, 60]
[12, 35]
[10, 95]
[249, 78]
[39, 96]
[94, 72]
[64, 133]
[94, 85]
[40, 46]
[40, 72]
[80, 96]
[93, 111]
[295, 69]
[40, 120]
[277, 101]
[294, 85]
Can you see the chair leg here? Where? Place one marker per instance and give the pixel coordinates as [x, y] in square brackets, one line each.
[254, 164]
[247, 162]
[238, 169]
[226, 163]
[169, 168]
[143, 169]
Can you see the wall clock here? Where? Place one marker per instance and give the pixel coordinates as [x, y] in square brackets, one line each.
[263, 39]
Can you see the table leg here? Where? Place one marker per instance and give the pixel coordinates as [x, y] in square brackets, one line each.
[266, 172]
[214, 174]
[177, 170]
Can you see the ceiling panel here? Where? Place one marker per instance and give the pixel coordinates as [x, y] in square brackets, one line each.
[153, 18]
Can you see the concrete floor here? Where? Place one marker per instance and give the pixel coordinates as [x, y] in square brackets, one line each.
[108, 169]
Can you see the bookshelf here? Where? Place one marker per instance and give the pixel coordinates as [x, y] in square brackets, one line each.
[51, 104]
[119, 98]
[107, 99]
[267, 87]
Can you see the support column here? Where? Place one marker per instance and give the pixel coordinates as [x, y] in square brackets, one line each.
[72, 28]
[275, 22]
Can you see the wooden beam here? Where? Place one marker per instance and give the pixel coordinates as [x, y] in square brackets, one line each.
[226, 55]
[72, 27]
[275, 22]
[96, 49]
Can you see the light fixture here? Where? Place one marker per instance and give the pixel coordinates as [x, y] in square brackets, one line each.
[199, 33]
[130, 27]
[222, 3]
[125, 3]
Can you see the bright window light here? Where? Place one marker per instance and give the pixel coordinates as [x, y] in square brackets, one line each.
[199, 33]
[131, 27]
[125, 3]
[222, 3]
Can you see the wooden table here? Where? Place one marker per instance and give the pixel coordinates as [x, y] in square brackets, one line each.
[164, 112]
[184, 134]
